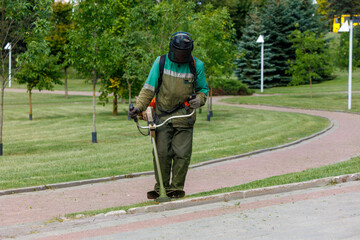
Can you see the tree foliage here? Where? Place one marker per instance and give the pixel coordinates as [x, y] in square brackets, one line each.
[279, 19]
[343, 7]
[311, 61]
[58, 38]
[93, 47]
[61, 25]
[19, 21]
[248, 63]
[342, 50]
[237, 9]
[214, 41]
[148, 33]
[38, 67]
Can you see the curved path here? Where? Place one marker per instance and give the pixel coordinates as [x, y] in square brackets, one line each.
[339, 144]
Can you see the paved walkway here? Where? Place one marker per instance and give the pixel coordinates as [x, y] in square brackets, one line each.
[330, 212]
[339, 144]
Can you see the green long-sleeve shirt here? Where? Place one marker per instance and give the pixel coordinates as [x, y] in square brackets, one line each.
[177, 85]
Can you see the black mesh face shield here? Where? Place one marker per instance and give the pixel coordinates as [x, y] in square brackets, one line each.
[181, 46]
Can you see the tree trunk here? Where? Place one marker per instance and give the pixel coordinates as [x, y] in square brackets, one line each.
[65, 83]
[310, 81]
[129, 93]
[115, 106]
[30, 106]
[2, 113]
[208, 106]
[211, 98]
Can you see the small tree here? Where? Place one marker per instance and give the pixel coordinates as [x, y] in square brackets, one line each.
[39, 69]
[311, 58]
[342, 51]
[58, 38]
[214, 44]
[94, 50]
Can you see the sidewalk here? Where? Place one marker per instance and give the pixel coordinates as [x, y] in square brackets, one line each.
[339, 144]
[329, 212]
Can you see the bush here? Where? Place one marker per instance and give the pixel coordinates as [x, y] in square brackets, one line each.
[230, 86]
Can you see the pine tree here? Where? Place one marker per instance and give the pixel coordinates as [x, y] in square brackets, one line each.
[248, 64]
[277, 25]
[280, 18]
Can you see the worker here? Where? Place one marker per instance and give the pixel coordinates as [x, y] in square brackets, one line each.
[173, 78]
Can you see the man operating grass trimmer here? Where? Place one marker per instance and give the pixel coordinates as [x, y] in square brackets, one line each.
[173, 79]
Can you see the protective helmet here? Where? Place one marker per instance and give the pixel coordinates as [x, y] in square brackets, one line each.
[181, 46]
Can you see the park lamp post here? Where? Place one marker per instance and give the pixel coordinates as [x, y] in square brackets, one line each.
[8, 47]
[346, 28]
[261, 40]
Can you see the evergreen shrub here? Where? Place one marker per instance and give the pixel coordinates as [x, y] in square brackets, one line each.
[230, 86]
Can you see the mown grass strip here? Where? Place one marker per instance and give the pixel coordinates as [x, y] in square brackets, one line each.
[56, 145]
[348, 167]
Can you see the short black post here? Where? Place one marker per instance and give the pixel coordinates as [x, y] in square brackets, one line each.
[1, 149]
[30, 116]
[94, 138]
[208, 117]
[200, 110]
[211, 114]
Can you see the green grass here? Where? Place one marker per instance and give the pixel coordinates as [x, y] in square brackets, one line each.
[56, 145]
[347, 167]
[329, 101]
[75, 83]
[329, 95]
[339, 84]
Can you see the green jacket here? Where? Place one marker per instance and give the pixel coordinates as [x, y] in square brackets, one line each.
[177, 85]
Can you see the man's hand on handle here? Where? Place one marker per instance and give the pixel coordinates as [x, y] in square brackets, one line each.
[133, 112]
[194, 103]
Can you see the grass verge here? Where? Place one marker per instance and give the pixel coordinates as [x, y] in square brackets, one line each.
[348, 167]
[324, 101]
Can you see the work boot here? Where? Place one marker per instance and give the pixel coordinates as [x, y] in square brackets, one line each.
[152, 194]
[175, 193]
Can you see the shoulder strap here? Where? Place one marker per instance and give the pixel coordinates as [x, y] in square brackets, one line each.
[161, 70]
[192, 67]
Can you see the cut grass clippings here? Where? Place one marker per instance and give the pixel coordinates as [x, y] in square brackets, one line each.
[347, 167]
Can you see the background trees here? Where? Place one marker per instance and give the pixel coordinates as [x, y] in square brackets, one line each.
[278, 19]
[311, 58]
[248, 63]
[60, 23]
[18, 22]
[93, 48]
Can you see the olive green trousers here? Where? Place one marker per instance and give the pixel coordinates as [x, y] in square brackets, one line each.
[174, 147]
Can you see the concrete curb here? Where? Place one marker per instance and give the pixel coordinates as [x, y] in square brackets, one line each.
[224, 197]
[133, 175]
[244, 194]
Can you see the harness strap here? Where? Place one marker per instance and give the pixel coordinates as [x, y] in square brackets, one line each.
[192, 67]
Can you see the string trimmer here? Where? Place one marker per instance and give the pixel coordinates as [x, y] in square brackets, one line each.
[151, 127]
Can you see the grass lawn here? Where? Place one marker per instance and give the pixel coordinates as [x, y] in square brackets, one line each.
[338, 84]
[329, 95]
[75, 83]
[56, 145]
